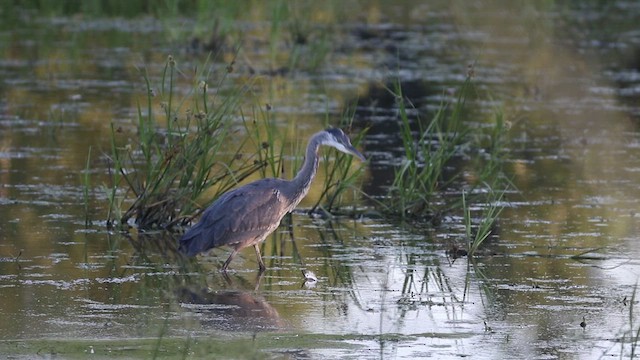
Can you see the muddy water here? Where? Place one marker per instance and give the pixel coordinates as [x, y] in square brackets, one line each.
[564, 253]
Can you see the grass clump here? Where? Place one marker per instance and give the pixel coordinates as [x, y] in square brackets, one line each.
[437, 154]
[158, 177]
[419, 178]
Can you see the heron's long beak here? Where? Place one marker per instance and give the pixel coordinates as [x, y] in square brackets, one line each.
[357, 153]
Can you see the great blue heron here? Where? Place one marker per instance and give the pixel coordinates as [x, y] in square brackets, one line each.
[245, 216]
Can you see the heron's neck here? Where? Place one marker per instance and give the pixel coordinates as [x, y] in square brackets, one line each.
[302, 181]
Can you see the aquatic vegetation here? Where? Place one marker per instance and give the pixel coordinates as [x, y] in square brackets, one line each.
[294, 42]
[265, 139]
[421, 175]
[160, 175]
[423, 182]
[491, 186]
[189, 149]
[491, 209]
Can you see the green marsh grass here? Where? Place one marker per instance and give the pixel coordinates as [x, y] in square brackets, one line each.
[189, 152]
[158, 179]
[420, 183]
[492, 184]
[420, 176]
[294, 42]
[266, 141]
[491, 210]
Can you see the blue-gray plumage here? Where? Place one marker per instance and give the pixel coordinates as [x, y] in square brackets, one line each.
[245, 216]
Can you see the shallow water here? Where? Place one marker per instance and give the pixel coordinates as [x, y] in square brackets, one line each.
[565, 249]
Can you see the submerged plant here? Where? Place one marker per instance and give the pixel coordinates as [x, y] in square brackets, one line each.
[160, 175]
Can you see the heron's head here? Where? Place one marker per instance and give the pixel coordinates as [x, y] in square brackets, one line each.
[336, 138]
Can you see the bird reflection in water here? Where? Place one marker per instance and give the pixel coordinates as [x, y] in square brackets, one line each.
[231, 310]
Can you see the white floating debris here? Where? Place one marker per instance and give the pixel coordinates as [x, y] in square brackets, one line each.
[309, 276]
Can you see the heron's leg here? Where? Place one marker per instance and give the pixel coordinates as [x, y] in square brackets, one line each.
[226, 263]
[260, 262]
[227, 278]
[258, 279]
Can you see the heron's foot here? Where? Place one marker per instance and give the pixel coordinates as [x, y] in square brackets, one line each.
[226, 263]
[259, 277]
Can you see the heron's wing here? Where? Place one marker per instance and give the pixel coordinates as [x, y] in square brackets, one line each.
[243, 215]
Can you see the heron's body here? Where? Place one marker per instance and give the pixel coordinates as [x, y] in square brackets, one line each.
[245, 216]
